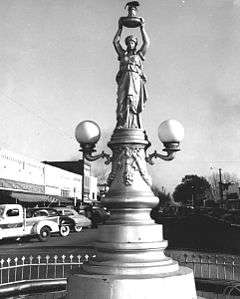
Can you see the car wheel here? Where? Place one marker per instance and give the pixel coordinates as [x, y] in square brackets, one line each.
[64, 230]
[44, 234]
[77, 228]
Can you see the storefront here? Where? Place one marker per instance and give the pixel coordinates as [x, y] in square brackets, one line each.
[34, 199]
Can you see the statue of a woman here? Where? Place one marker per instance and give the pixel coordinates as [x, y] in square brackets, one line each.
[131, 94]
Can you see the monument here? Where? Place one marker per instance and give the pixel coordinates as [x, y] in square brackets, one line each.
[130, 262]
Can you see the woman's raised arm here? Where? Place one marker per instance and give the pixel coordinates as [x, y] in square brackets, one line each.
[116, 40]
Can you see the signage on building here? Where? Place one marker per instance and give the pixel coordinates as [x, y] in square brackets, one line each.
[15, 185]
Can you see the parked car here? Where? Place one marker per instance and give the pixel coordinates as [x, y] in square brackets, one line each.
[16, 223]
[50, 213]
[97, 214]
[77, 221]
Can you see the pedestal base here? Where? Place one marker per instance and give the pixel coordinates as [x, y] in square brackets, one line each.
[177, 285]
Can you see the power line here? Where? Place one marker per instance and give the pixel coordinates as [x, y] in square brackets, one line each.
[209, 162]
[56, 128]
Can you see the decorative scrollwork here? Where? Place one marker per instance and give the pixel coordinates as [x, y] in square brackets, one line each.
[103, 155]
[129, 159]
[170, 156]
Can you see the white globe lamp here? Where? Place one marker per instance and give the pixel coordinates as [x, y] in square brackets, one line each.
[87, 133]
[171, 133]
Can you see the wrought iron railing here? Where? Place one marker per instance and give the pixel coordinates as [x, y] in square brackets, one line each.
[209, 266]
[213, 273]
[38, 267]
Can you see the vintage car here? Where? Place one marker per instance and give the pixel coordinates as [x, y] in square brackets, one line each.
[52, 214]
[77, 221]
[97, 214]
[14, 223]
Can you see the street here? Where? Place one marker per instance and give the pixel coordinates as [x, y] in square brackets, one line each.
[58, 256]
[56, 244]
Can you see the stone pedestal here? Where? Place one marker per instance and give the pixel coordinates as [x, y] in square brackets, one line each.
[177, 285]
[130, 261]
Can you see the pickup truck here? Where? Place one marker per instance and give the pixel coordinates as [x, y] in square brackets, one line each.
[14, 223]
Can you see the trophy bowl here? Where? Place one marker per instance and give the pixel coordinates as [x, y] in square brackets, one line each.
[131, 22]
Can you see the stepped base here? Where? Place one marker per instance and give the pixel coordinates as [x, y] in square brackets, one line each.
[176, 285]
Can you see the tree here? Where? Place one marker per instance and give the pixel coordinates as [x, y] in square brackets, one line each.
[164, 198]
[227, 180]
[102, 175]
[192, 190]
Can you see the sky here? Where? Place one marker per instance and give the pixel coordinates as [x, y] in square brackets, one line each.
[58, 67]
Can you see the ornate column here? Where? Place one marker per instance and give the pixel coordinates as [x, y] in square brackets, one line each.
[130, 260]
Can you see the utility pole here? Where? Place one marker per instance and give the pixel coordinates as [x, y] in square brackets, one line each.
[220, 185]
[83, 176]
[193, 196]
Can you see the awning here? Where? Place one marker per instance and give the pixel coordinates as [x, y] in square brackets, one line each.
[30, 197]
[58, 198]
[34, 198]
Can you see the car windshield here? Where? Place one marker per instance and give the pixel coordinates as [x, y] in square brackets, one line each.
[52, 213]
[68, 212]
[40, 213]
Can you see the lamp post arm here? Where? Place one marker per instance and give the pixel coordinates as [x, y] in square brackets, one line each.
[103, 155]
[170, 156]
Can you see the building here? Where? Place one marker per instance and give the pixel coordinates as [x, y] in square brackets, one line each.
[90, 182]
[232, 196]
[25, 180]
[72, 166]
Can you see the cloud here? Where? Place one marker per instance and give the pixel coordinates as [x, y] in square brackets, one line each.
[236, 3]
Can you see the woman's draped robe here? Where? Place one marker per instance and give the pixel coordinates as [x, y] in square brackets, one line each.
[131, 94]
